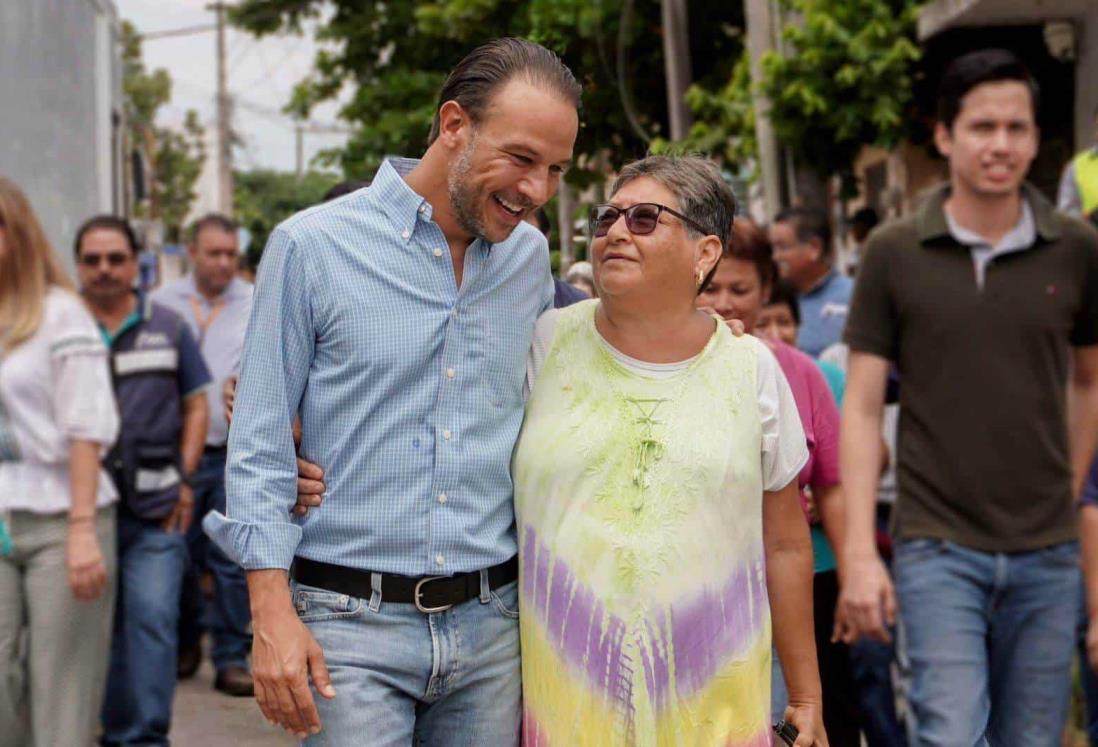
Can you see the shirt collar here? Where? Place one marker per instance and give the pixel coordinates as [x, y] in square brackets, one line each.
[822, 283]
[227, 295]
[403, 205]
[397, 200]
[131, 321]
[931, 223]
[1022, 236]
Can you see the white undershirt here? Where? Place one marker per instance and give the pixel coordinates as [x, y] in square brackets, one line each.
[784, 448]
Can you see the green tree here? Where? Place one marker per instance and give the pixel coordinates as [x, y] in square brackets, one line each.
[174, 157]
[395, 55]
[265, 198]
[844, 81]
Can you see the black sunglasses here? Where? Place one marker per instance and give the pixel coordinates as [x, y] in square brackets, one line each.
[114, 259]
[641, 219]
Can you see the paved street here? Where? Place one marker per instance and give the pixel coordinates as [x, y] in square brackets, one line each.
[206, 718]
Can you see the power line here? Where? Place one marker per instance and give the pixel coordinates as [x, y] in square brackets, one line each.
[185, 31]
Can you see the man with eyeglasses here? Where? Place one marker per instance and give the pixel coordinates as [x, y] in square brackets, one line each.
[160, 383]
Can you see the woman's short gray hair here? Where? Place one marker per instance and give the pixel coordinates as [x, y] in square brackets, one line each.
[696, 182]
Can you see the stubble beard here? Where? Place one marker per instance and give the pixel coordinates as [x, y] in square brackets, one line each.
[463, 198]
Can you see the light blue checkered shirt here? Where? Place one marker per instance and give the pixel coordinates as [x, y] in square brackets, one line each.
[409, 390]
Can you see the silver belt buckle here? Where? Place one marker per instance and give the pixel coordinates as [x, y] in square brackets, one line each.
[418, 594]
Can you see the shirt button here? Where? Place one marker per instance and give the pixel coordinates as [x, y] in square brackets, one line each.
[442, 498]
[440, 561]
[446, 435]
[438, 252]
[450, 373]
[405, 234]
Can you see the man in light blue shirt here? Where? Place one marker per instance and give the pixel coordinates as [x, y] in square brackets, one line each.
[801, 239]
[395, 322]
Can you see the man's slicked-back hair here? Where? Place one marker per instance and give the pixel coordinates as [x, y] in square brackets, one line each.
[490, 66]
[976, 68]
[808, 224]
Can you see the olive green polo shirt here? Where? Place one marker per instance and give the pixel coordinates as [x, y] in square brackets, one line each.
[983, 455]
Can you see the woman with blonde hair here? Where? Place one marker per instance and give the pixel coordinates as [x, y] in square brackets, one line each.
[57, 546]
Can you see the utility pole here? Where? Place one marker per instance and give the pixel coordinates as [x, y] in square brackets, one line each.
[299, 150]
[676, 63]
[761, 32]
[224, 118]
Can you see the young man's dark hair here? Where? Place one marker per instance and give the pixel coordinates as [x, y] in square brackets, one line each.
[809, 224]
[491, 65]
[973, 69]
[345, 187]
[212, 220]
[110, 223]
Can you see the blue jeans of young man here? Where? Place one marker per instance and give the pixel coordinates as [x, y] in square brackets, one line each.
[988, 641]
[1087, 675]
[141, 679]
[229, 618]
[404, 677]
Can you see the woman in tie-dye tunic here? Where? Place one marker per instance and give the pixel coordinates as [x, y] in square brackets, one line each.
[639, 493]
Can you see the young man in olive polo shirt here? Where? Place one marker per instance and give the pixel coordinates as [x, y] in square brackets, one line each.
[987, 300]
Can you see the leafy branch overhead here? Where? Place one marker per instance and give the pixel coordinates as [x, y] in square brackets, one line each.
[386, 61]
[843, 81]
[174, 156]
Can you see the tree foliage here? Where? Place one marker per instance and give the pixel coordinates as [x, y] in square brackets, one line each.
[174, 157]
[842, 81]
[264, 198]
[392, 57]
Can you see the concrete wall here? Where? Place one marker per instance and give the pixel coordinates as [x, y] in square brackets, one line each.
[60, 98]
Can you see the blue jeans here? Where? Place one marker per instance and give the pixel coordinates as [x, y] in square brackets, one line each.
[141, 679]
[229, 618]
[871, 663]
[1087, 676]
[402, 677]
[988, 640]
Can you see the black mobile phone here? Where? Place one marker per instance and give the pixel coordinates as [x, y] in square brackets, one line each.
[786, 732]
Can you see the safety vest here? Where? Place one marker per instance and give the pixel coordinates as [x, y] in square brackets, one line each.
[1086, 179]
[145, 461]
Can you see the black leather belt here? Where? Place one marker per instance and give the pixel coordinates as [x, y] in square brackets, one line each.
[428, 593]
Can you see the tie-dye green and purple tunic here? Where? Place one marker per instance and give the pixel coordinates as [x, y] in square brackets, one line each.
[644, 612]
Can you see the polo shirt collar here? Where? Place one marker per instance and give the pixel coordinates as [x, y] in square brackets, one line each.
[931, 223]
[139, 314]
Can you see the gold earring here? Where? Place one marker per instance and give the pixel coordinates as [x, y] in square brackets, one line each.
[701, 277]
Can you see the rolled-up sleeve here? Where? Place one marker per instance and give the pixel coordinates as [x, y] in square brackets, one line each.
[83, 398]
[261, 477]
